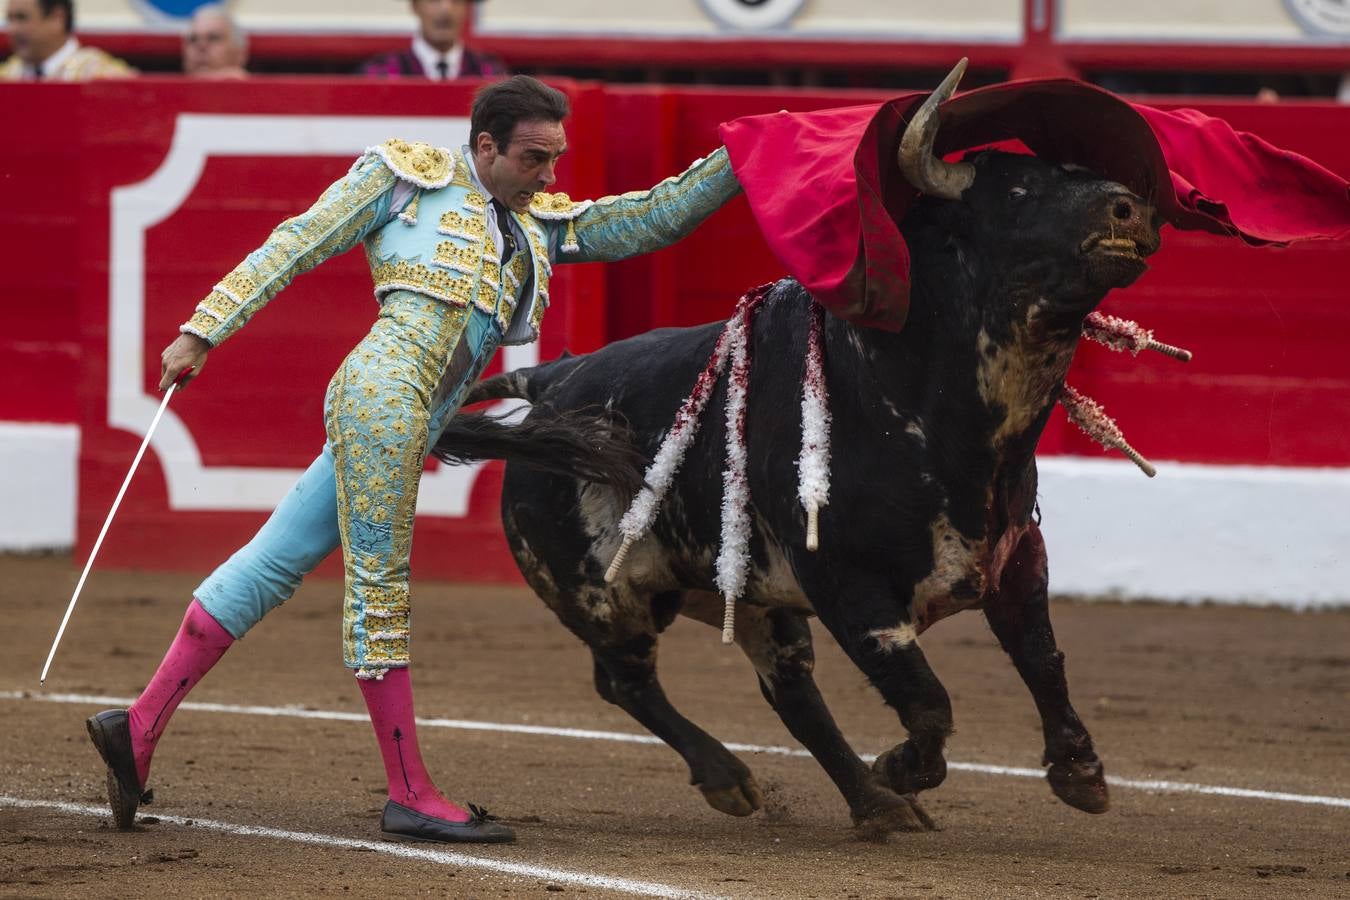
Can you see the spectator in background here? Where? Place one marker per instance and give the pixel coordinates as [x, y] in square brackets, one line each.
[42, 35]
[1344, 94]
[438, 50]
[214, 46]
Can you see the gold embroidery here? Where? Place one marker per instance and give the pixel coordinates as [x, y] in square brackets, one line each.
[434, 282]
[240, 283]
[460, 176]
[220, 304]
[640, 203]
[422, 164]
[201, 324]
[472, 228]
[459, 258]
[409, 214]
[334, 224]
[557, 206]
[518, 270]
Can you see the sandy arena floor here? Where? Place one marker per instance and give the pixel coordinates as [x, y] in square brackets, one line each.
[1233, 698]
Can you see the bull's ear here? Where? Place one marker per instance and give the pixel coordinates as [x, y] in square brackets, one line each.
[920, 167]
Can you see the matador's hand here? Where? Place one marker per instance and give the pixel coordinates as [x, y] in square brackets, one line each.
[187, 352]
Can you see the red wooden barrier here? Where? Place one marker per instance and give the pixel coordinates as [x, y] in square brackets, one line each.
[105, 259]
[179, 182]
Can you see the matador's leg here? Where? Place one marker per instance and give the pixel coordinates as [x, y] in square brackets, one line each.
[378, 412]
[382, 406]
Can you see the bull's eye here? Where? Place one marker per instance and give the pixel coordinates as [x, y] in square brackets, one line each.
[1017, 193]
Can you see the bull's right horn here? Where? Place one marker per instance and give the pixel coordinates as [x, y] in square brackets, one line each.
[920, 167]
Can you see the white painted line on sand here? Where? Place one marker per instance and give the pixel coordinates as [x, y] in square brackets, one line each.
[294, 712]
[405, 851]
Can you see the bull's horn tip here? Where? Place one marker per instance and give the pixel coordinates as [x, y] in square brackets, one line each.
[956, 74]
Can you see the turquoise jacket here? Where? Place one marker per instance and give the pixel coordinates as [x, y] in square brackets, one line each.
[423, 218]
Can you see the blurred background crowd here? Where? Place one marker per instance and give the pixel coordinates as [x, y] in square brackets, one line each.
[749, 42]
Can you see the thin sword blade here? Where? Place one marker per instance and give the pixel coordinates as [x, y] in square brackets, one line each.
[163, 405]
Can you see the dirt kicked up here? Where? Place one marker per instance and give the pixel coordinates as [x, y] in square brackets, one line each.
[269, 782]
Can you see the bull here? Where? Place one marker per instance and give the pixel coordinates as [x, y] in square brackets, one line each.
[933, 496]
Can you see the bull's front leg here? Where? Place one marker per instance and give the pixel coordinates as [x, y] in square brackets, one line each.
[778, 643]
[1020, 617]
[885, 647]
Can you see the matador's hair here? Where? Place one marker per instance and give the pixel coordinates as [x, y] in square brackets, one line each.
[500, 105]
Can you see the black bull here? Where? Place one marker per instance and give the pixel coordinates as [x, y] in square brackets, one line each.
[932, 497]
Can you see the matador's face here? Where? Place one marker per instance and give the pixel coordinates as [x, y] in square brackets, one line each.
[525, 166]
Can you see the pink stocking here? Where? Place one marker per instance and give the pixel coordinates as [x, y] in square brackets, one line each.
[389, 700]
[199, 644]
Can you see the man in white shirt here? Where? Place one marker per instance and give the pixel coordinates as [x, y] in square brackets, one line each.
[437, 50]
[41, 33]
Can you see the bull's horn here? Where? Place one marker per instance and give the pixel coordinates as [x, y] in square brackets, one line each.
[917, 162]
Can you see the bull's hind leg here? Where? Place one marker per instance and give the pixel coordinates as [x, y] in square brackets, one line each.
[624, 647]
[620, 625]
[778, 643]
[1020, 617]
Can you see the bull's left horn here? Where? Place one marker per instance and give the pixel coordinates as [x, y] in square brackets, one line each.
[920, 167]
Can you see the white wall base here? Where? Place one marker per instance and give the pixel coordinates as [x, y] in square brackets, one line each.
[1228, 534]
[1195, 533]
[38, 481]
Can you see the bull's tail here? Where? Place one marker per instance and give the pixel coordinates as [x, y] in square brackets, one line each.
[514, 385]
[592, 444]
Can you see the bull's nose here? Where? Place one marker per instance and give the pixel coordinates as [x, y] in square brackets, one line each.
[1130, 215]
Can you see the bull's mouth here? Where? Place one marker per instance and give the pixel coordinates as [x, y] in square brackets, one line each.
[1116, 259]
[1112, 245]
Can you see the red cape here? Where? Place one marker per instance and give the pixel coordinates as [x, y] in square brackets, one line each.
[827, 193]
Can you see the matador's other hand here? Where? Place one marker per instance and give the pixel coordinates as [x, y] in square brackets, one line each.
[187, 352]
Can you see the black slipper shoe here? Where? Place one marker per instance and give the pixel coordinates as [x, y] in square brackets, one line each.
[110, 731]
[403, 822]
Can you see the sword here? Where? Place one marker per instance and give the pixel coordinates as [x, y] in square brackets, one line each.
[163, 405]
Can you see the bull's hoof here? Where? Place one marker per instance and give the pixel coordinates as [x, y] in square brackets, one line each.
[737, 800]
[899, 768]
[901, 813]
[1082, 785]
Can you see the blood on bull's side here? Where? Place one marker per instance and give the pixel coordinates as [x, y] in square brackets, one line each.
[932, 497]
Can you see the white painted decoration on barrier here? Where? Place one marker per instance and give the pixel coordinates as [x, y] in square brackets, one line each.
[137, 208]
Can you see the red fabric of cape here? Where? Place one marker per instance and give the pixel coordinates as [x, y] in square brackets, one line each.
[827, 193]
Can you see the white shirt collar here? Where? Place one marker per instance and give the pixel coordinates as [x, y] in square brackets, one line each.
[494, 224]
[494, 227]
[52, 64]
[473, 169]
[428, 56]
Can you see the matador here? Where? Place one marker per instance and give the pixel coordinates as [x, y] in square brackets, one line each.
[461, 246]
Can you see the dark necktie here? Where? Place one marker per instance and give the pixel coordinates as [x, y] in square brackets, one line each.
[37, 73]
[508, 234]
[442, 69]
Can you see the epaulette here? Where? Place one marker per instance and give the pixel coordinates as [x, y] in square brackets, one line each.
[417, 163]
[557, 207]
[561, 208]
